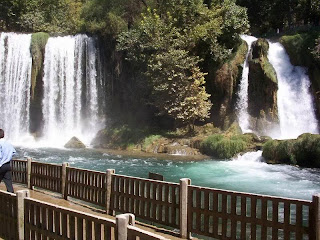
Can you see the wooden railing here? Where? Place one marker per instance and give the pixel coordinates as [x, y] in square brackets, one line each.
[22, 217]
[89, 186]
[44, 220]
[151, 200]
[234, 215]
[46, 176]
[19, 175]
[8, 215]
[205, 211]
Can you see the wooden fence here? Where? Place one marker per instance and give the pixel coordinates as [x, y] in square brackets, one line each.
[151, 200]
[205, 211]
[8, 215]
[25, 218]
[46, 176]
[44, 220]
[89, 186]
[19, 174]
[234, 215]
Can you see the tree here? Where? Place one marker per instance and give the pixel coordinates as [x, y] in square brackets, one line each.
[165, 45]
[178, 89]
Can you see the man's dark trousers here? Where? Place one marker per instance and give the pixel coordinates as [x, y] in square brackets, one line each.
[5, 174]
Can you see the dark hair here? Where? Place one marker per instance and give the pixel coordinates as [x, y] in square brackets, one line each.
[1, 133]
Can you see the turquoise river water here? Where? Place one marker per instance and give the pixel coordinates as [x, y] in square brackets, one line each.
[246, 173]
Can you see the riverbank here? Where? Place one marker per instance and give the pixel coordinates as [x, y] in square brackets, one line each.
[160, 156]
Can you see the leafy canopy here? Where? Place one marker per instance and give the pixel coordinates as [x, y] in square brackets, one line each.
[164, 46]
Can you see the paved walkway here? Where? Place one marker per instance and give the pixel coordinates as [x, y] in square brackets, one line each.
[55, 198]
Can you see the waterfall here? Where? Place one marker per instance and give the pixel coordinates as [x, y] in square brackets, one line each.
[242, 104]
[295, 103]
[71, 84]
[15, 83]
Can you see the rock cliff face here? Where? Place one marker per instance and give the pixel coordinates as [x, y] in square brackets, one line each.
[38, 44]
[262, 90]
[224, 88]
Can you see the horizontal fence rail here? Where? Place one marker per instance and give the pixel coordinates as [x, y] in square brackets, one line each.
[134, 233]
[89, 186]
[151, 200]
[233, 215]
[8, 216]
[43, 220]
[19, 171]
[46, 176]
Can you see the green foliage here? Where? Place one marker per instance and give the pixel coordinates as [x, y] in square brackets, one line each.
[269, 15]
[10, 13]
[298, 47]
[223, 147]
[149, 140]
[58, 16]
[304, 151]
[125, 136]
[164, 46]
[307, 150]
[110, 18]
[316, 50]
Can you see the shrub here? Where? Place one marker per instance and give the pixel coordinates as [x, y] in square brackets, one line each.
[304, 151]
[149, 140]
[221, 146]
[307, 150]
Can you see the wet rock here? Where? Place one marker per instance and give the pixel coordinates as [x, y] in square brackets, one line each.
[262, 89]
[74, 142]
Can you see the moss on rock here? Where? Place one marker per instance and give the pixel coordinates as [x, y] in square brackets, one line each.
[224, 87]
[303, 151]
[38, 43]
[262, 89]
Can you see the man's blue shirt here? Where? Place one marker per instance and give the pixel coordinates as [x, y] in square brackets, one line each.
[6, 152]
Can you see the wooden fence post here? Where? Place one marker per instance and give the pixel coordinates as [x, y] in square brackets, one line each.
[21, 195]
[122, 222]
[316, 204]
[110, 172]
[184, 182]
[64, 181]
[29, 162]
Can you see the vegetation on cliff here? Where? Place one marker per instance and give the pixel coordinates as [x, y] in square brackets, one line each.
[223, 86]
[262, 89]
[37, 48]
[303, 151]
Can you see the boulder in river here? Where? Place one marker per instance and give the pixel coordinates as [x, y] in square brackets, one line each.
[74, 142]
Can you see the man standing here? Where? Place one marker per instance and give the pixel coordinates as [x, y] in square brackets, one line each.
[6, 153]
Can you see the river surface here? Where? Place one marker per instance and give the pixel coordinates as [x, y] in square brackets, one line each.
[247, 173]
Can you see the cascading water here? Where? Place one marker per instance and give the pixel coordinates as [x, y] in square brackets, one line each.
[70, 104]
[15, 82]
[242, 104]
[295, 105]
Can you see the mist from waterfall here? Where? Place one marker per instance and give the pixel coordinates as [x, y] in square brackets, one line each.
[295, 103]
[71, 84]
[15, 83]
[242, 103]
